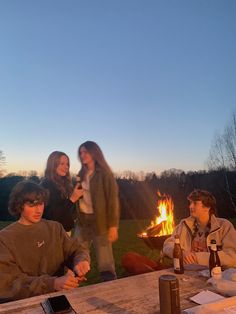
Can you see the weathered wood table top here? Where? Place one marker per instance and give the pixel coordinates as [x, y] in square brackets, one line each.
[135, 294]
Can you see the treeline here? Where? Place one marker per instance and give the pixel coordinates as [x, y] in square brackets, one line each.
[138, 198]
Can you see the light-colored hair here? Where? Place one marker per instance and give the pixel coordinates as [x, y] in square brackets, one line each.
[64, 184]
[96, 153]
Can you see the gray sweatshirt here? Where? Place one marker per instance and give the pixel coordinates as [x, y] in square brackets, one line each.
[32, 256]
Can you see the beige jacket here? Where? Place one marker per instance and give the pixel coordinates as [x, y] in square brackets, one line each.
[222, 231]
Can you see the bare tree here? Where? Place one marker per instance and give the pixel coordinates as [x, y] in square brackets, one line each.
[129, 175]
[223, 154]
[229, 138]
[2, 163]
[223, 150]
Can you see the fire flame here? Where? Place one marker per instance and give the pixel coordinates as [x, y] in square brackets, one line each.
[165, 208]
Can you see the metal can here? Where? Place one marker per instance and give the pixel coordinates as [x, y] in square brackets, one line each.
[169, 295]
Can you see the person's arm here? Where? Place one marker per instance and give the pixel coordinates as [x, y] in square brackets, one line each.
[75, 253]
[227, 255]
[113, 206]
[14, 284]
[76, 194]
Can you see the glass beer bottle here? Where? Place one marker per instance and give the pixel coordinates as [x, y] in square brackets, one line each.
[178, 257]
[214, 260]
[78, 182]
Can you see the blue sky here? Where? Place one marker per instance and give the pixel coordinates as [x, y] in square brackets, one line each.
[150, 81]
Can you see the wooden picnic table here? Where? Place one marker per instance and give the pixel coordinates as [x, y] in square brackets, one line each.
[134, 294]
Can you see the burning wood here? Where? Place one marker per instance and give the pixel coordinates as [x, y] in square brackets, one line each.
[155, 230]
[164, 223]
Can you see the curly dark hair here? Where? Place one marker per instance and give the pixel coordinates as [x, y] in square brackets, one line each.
[23, 192]
[206, 197]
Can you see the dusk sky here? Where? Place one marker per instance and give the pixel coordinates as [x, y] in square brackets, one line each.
[150, 81]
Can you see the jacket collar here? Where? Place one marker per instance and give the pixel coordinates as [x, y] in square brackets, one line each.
[189, 221]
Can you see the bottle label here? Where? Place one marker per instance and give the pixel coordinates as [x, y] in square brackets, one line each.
[176, 263]
[216, 272]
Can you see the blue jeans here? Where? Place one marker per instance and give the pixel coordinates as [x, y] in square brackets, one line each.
[86, 234]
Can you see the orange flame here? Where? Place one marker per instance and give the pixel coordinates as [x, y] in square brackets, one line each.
[165, 208]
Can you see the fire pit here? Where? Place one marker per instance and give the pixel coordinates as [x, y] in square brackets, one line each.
[154, 242]
[162, 226]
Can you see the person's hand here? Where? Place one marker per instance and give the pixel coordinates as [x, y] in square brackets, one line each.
[81, 269]
[68, 281]
[113, 234]
[189, 257]
[76, 194]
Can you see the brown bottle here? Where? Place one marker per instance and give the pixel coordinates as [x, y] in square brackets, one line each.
[178, 257]
[78, 182]
[214, 260]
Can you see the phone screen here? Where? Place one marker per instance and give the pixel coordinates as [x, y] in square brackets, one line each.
[59, 304]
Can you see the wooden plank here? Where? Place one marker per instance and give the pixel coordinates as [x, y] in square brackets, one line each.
[136, 294]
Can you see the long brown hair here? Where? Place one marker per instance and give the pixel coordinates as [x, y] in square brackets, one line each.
[64, 184]
[97, 155]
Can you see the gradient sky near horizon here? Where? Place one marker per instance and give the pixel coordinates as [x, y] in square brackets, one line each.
[151, 81]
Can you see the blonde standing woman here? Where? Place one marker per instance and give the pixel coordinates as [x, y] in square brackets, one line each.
[62, 195]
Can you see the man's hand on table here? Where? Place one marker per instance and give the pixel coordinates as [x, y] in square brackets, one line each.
[189, 257]
[72, 278]
[81, 269]
[68, 281]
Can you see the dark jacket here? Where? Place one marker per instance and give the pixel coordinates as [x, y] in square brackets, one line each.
[105, 201]
[58, 208]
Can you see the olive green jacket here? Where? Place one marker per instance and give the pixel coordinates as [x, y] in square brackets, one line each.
[105, 201]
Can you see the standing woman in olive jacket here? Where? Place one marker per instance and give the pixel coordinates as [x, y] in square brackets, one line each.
[98, 209]
[62, 196]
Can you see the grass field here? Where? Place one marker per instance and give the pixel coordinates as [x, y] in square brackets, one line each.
[128, 241]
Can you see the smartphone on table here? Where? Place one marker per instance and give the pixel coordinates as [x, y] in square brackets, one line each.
[57, 305]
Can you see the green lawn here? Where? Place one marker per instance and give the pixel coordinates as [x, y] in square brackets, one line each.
[128, 241]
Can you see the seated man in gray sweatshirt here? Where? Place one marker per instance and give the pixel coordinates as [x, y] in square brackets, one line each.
[34, 252]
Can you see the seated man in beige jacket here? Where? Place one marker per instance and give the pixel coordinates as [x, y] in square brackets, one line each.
[197, 231]
[34, 253]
